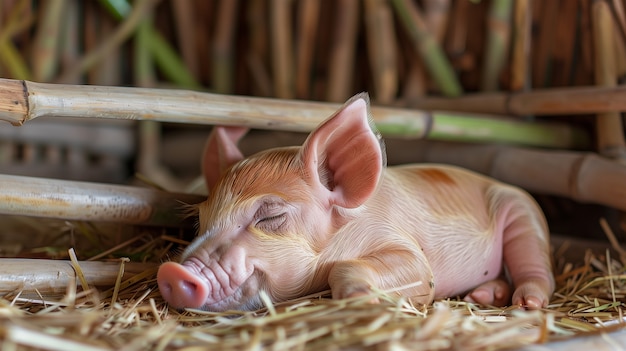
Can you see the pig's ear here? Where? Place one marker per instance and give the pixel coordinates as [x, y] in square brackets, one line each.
[221, 152]
[345, 154]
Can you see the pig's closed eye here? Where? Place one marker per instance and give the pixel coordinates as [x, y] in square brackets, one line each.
[271, 222]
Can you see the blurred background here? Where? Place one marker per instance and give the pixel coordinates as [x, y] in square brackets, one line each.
[402, 52]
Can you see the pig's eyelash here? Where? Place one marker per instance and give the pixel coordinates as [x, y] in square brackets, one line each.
[271, 223]
[271, 218]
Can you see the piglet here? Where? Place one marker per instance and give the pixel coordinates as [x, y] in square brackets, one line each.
[297, 220]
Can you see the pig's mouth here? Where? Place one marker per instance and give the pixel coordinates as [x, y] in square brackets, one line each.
[220, 287]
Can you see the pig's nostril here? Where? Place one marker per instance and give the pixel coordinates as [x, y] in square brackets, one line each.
[188, 287]
[180, 287]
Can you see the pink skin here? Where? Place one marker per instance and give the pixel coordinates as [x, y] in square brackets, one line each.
[328, 214]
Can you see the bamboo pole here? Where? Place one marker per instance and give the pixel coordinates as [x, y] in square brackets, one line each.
[23, 101]
[584, 177]
[609, 129]
[556, 101]
[52, 277]
[40, 197]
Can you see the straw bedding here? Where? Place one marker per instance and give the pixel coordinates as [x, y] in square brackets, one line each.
[132, 316]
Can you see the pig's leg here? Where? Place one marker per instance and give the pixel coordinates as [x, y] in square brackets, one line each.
[525, 247]
[386, 270]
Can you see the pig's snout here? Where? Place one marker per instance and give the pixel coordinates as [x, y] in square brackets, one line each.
[180, 287]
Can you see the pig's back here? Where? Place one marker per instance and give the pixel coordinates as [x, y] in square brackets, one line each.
[447, 210]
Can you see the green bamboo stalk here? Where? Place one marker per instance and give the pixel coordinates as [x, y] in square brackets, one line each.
[9, 55]
[22, 101]
[164, 55]
[426, 45]
[499, 29]
[466, 128]
[169, 63]
[119, 9]
[15, 63]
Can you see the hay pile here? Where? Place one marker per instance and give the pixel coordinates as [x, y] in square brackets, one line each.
[133, 316]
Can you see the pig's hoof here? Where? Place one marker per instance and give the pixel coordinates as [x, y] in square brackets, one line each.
[531, 295]
[494, 293]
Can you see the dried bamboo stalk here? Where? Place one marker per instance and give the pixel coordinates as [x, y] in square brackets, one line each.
[522, 34]
[545, 44]
[436, 13]
[84, 201]
[609, 129]
[308, 18]
[23, 101]
[223, 48]
[282, 63]
[585, 177]
[187, 33]
[50, 277]
[457, 42]
[564, 58]
[382, 49]
[342, 52]
[258, 49]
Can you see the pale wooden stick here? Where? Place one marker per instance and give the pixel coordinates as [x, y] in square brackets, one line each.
[53, 276]
[21, 101]
[92, 202]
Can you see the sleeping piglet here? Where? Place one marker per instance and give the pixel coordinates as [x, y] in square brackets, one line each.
[328, 214]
